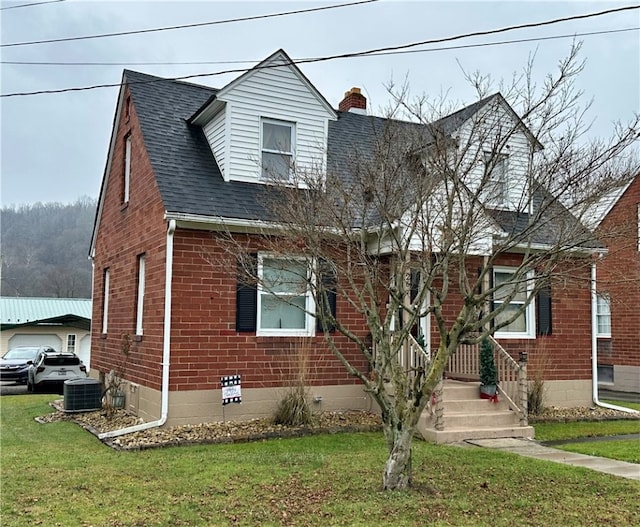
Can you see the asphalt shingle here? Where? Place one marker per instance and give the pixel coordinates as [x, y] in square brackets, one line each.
[190, 181]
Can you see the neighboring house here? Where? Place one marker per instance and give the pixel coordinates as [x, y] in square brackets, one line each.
[62, 323]
[184, 171]
[618, 299]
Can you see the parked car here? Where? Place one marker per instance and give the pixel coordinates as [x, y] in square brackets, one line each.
[14, 364]
[51, 368]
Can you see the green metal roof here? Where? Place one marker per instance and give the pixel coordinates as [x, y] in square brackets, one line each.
[24, 310]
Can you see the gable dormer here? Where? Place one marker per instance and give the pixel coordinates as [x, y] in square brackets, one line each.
[266, 122]
[497, 147]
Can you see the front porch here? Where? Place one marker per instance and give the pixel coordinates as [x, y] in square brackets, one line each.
[459, 414]
[456, 412]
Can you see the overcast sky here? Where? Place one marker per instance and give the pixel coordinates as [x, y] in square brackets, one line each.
[54, 146]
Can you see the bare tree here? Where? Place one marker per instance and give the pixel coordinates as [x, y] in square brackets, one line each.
[412, 223]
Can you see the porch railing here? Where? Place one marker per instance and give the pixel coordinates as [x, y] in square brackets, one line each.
[412, 356]
[464, 364]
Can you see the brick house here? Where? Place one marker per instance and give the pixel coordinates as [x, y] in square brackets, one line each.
[184, 170]
[618, 300]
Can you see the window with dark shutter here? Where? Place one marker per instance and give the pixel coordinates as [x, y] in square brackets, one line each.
[246, 300]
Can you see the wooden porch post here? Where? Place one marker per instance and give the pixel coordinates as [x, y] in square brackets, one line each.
[439, 424]
[523, 388]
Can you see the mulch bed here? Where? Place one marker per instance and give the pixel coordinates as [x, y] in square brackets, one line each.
[98, 422]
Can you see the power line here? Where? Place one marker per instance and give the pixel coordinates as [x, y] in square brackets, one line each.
[185, 26]
[302, 60]
[377, 51]
[29, 5]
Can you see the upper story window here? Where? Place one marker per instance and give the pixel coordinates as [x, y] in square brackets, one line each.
[523, 326]
[497, 166]
[603, 315]
[127, 169]
[278, 138]
[284, 298]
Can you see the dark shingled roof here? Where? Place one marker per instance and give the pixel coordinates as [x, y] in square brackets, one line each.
[186, 172]
[188, 176]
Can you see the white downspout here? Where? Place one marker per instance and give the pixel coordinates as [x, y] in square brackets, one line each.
[166, 349]
[594, 348]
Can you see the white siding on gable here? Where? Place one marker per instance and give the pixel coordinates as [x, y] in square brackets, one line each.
[274, 93]
[492, 125]
[214, 132]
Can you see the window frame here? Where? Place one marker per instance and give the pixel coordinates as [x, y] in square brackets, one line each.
[309, 317]
[140, 294]
[71, 348]
[599, 314]
[496, 161]
[529, 312]
[105, 300]
[263, 150]
[127, 169]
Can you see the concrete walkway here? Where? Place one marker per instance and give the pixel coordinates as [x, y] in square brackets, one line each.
[529, 448]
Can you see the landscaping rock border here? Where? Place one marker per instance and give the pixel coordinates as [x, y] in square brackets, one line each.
[98, 422]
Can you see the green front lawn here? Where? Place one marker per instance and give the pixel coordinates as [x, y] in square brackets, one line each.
[622, 450]
[578, 429]
[59, 474]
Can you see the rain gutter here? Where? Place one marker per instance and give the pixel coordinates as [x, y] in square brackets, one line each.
[166, 349]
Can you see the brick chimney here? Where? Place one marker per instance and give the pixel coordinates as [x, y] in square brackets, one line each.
[354, 102]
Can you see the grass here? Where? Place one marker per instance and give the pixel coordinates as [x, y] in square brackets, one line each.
[579, 429]
[622, 450]
[59, 474]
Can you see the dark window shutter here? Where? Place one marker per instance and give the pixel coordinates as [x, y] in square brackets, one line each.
[492, 304]
[543, 306]
[328, 279]
[246, 302]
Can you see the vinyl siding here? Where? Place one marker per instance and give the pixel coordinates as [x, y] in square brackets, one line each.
[279, 94]
[492, 124]
[214, 132]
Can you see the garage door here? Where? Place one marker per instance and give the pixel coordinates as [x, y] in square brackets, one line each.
[35, 340]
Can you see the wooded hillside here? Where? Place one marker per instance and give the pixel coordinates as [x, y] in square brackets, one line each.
[45, 249]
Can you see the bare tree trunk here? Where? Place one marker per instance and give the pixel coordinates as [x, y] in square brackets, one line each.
[397, 469]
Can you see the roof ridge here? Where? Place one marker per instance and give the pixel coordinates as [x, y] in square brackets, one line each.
[170, 79]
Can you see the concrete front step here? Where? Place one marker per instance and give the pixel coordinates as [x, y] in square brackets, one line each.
[466, 416]
[475, 405]
[466, 420]
[456, 435]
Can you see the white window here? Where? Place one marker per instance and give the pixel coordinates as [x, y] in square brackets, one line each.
[105, 301]
[71, 343]
[127, 168]
[523, 326]
[285, 303]
[278, 139]
[496, 189]
[140, 301]
[603, 315]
